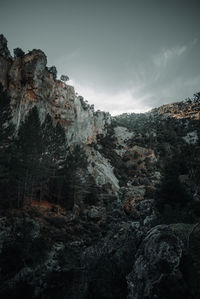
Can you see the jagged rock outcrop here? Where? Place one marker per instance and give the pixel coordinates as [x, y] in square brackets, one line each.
[29, 83]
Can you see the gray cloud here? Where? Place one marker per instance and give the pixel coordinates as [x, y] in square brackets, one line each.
[122, 56]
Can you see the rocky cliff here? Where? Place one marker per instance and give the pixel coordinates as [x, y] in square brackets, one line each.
[29, 82]
[132, 230]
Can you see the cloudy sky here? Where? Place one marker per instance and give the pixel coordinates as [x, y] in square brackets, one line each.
[121, 55]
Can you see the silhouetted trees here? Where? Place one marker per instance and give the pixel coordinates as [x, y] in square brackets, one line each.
[31, 160]
[36, 164]
[6, 125]
[69, 180]
[29, 150]
[18, 52]
[54, 143]
[53, 71]
[6, 149]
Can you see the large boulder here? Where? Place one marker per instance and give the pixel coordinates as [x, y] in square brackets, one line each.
[156, 271]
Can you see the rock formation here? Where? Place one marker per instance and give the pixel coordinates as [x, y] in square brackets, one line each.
[29, 82]
[157, 266]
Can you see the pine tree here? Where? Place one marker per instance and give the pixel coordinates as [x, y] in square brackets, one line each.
[54, 150]
[6, 150]
[74, 167]
[6, 126]
[54, 141]
[30, 137]
[29, 149]
[49, 146]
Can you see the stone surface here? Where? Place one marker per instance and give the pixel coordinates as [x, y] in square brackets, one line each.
[101, 169]
[156, 271]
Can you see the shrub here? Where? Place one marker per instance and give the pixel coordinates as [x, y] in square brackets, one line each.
[53, 71]
[18, 52]
[64, 78]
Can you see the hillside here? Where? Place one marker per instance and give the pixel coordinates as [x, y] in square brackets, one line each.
[94, 206]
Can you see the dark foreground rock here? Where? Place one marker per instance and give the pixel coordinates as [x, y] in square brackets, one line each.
[156, 271]
[124, 261]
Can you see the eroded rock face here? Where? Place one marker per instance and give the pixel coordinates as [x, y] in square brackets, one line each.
[156, 271]
[29, 83]
[101, 169]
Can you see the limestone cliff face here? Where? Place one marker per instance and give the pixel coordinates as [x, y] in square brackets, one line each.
[29, 83]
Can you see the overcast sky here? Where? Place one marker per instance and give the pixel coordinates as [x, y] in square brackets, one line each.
[122, 56]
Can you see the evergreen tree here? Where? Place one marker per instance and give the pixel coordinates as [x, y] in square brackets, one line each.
[75, 165]
[193, 167]
[29, 149]
[54, 150]
[68, 182]
[6, 126]
[60, 141]
[6, 150]
[54, 141]
[172, 197]
[30, 137]
[49, 146]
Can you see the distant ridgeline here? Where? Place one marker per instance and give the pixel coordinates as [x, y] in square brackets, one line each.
[187, 109]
